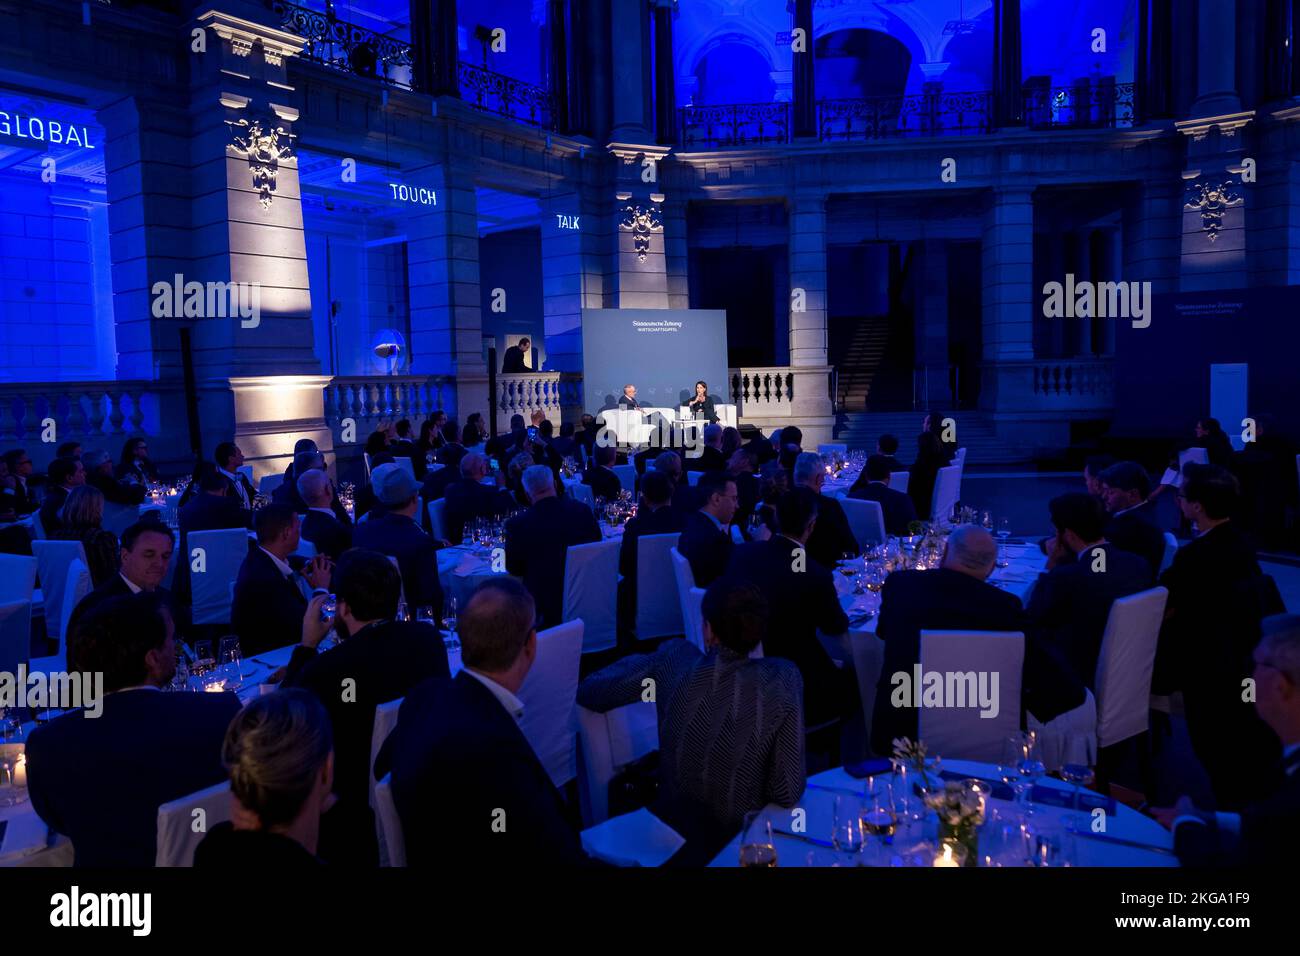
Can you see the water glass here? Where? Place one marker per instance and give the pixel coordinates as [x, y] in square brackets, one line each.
[203, 659]
[230, 659]
[846, 829]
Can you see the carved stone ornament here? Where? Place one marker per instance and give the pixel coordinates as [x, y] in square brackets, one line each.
[641, 221]
[264, 143]
[1211, 199]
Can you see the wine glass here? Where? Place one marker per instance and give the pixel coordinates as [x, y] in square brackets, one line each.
[203, 659]
[1032, 766]
[10, 730]
[986, 521]
[230, 659]
[757, 848]
[1076, 769]
[449, 622]
[846, 832]
[879, 818]
[1014, 749]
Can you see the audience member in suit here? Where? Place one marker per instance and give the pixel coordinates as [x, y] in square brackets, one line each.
[791, 447]
[145, 554]
[11, 536]
[1093, 468]
[63, 475]
[773, 482]
[957, 597]
[278, 752]
[566, 446]
[654, 515]
[762, 448]
[469, 498]
[1211, 436]
[731, 733]
[801, 600]
[291, 472]
[741, 465]
[932, 453]
[321, 526]
[68, 449]
[706, 533]
[1250, 837]
[730, 442]
[467, 730]
[1132, 525]
[83, 517]
[513, 360]
[1071, 600]
[430, 440]
[709, 457]
[586, 435]
[600, 476]
[159, 747]
[397, 532]
[832, 538]
[686, 499]
[134, 466]
[1217, 599]
[99, 474]
[887, 448]
[213, 508]
[895, 506]
[475, 432]
[270, 597]
[628, 399]
[499, 446]
[229, 458]
[14, 485]
[537, 541]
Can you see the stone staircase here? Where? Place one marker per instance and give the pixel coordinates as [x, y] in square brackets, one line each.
[974, 432]
[860, 360]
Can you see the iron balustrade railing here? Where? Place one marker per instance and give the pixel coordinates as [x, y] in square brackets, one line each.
[919, 114]
[346, 47]
[738, 124]
[1086, 105]
[506, 96]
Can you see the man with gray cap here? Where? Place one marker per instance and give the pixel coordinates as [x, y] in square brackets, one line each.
[397, 533]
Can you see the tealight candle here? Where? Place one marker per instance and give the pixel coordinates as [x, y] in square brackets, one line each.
[945, 857]
[215, 687]
[20, 771]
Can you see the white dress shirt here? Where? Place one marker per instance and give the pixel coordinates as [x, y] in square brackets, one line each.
[239, 487]
[135, 588]
[513, 705]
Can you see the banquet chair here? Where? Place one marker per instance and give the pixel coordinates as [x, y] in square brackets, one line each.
[178, 837]
[269, 483]
[75, 588]
[898, 480]
[947, 492]
[591, 592]
[305, 549]
[1171, 549]
[583, 493]
[53, 561]
[830, 448]
[693, 619]
[117, 518]
[438, 519]
[654, 567]
[607, 743]
[38, 526]
[866, 520]
[959, 459]
[685, 581]
[15, 634]
[626, 477]
[17, 577]
[868, 654]
[960, 732]
[223, 553]
[390, 824]
[726, 415]
[1124, 667]
[385, 721]
[247, 472]
[549, 694]
[1195, 456]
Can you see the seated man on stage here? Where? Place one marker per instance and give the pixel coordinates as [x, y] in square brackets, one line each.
[628, 398]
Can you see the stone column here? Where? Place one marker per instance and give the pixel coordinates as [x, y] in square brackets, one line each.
[1113, 257]
[641, 276]
[1216, 58]
[1008, 101]
[931, 323]
[1152, 74]
[1009, 302]
[1081, 328]
[628, 29]
[805, 95]
[812, 409]
[572, 235]
[665, 97]
[557, 63]
[1278, 54]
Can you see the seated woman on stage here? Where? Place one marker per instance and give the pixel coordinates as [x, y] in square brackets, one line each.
[701, 406]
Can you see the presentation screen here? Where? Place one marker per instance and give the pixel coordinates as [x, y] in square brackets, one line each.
[663, 352]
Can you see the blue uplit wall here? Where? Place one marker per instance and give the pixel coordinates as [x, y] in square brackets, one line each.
[523, 21]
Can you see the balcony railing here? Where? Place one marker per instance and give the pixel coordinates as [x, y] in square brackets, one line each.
[740, 124]
[346, 47]
[552, 393]
[1082, 106]
[506, 96]
[921, 114]
[368, 400]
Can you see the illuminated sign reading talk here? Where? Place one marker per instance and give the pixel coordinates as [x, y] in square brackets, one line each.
[46, 130]
[415, 194]
[566, 222]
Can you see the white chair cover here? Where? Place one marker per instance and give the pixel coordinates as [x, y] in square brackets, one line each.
[947, 492]
[1171, 549]
[866, 520]
[53, 561]
[385, 721]
[583, 493]
[868, 653]
[38, 526]
[435, 466]
[177, 839]
[654, 569]
[606, 743]
[959, 459]
[693, 623]
[626, 477]
[17, 577]
[1055, 736]
[15, 634]
[269, 483]
[1197, 456]
[898, 480]
[693, 478]
[830, 448]
[390, 824]
[1128, 655]
[223, 553]
[960, 732]
[591, 592]
[437, 519]
[306, 549]
[685, 581]
[117, 518]
[76, 587]
[549, 693]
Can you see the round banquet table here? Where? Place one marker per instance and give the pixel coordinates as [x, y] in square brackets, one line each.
[1130, 839]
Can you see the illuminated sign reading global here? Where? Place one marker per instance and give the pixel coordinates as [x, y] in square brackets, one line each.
[45, 130]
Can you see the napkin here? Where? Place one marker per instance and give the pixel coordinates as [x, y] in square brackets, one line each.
[634, 839]
[25, 834]
[469, 565]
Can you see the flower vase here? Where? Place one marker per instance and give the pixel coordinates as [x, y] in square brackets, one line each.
[967, 836]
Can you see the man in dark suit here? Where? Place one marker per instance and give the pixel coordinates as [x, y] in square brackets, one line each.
[957, 597]
[270, 597]
[291, 472]
[762, 448]
[99, 474]
[537, 541]
[513, 361]
[212, 509]
[710, 451]
[1250, 838]
[507, 812]
[654, 515]
[18, 495]
[565, 446]
[628, 398]
[160, 747]
[469, 498]
[600, 476]
[873, 485]
[1085, 573]
[288, 493]
[229, 458]
[801, 601]
[832, 538]
[321, 526]
[685, 497]
[64, 474]
[887, 448]
[706, 533]
[742, 467]
[500, 446]
[382, 657]
[1133, 525]
[397, 533]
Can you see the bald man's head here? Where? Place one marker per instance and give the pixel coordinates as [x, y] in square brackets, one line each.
[971, 550]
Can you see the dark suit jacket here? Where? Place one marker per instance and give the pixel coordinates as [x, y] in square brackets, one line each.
[707, 548]
[705, 410]
[946, 600]
[157, 747]
[800, 603]
[115, 491]
[457, 755]
[1137, 532]
[327, 534]
[468, 499]
[710, 459]
[1070, 604]
[625, 402]
[604, 483]
[762, 447]
[233, 492]
[747, 492]
[537, 544]
[113, 587]
[1203, 844]
[251, 851]
[287, 494]
[55, 496]
[386, 660]
[268, 607]
[21, 499]
[513, 361]
[831, 535]
[416, 553]
[897, 507]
